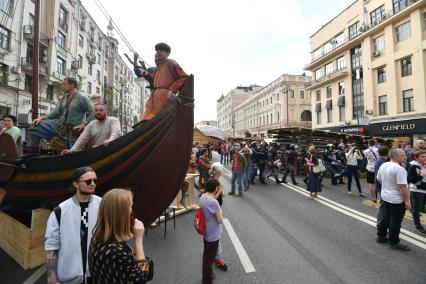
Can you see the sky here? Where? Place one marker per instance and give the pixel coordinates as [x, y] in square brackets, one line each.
[224, 43]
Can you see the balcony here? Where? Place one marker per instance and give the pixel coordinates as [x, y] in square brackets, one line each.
[27, 65]
[28, 32]
[364, 30]
[91, 58]
[337, 74]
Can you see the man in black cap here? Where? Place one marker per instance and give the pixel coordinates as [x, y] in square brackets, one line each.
[69, 231]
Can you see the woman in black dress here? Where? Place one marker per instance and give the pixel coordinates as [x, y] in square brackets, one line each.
[111, 260]
[314, 184]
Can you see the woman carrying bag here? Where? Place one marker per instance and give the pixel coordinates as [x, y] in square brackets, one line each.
[314, 184]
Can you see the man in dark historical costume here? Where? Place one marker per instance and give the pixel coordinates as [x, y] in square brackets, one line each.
[71, 115]
[165, 80]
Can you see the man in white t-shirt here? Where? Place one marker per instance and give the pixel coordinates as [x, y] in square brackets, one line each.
[371, 154]
[396, 199]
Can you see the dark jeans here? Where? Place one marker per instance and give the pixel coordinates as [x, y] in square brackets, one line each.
[392, 216]
[353, 171]
[209, 254]
[417, 198]
[289, 170]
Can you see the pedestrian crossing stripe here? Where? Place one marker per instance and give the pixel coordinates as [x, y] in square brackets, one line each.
[407, 216]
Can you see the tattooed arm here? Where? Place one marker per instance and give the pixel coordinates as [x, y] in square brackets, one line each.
[51, 258]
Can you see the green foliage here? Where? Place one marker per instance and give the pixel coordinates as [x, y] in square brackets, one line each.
[248, 134]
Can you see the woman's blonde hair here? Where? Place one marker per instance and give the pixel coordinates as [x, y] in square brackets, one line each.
[114, 217]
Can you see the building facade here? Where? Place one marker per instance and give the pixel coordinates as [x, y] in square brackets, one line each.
[369, 69]
[226, 105]
[71, 45]
[282, 103]
[206, 122]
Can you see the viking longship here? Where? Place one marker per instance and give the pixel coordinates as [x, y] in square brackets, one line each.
[151, 161]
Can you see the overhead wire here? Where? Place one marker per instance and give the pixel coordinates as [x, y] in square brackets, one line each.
[115, 26]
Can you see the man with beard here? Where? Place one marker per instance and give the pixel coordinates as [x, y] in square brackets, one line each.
[100, 131]
[166, 81]
[69, 231]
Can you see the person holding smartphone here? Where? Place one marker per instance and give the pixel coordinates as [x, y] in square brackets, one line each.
[353, 156]
[111, 260]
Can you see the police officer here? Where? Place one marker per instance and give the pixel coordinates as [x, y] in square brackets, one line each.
[341, 156]
[255, 160]
[263, 161]
[291, 158]
[272, 157]
[328, 159]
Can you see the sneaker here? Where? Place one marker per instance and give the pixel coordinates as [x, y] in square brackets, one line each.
[232, 193]
[220, 263]
[239, 194]
[421, 231]
[400, 247]
[294, 183]
[342, 183]
[382, 240]
[362, 194]
[349, 192]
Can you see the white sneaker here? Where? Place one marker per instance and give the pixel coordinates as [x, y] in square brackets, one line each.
[349, 192]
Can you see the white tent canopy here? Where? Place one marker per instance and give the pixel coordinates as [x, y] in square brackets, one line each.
[212, 131]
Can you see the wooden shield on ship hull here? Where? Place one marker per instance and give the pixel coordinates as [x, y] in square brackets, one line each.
[151, 161]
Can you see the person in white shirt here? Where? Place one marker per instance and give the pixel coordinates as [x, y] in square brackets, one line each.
[371, 154]
[352, 169]
[101, 131]
[395, 199]
[417, 179]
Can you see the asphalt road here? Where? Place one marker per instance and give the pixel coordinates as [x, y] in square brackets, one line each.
[287, 237]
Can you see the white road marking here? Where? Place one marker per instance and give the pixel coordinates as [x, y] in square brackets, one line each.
[367, 219]
[36, 275]
[242, 254]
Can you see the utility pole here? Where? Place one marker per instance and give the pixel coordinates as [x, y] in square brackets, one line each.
[36, 55]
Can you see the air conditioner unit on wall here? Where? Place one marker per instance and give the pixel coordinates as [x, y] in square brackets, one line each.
[369, 111]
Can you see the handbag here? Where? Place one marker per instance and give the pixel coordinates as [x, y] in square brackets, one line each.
[318, 168]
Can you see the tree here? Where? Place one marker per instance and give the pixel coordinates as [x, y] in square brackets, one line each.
[248, 134]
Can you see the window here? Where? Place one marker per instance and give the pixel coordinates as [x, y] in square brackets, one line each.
[61, 39]
[403, 32]
[4, 38]
[381, 75]
[399, 5]
[89, 88]
[379, 43]
[6, 6]
[90, 69]
[318, 117]
[81, 41]
[377, 15]
[60, 66]
[329, 115]
[328, 69]
[99, 58]
[28, 83]
[302, 95]
[49, 92]
[408, 100]
[316, 54]
[318, 74]
[341, 88]
[341, 63]
[406, 69]
[80, 61]
[424, 20]
[318, 96]
[4, 72]
[340, 39]
[63, 15]
[342, 114]
[329, 93]
[353, 30]
[328, 47]
[271, 100]
[98, 75]
[383, 105]
[97, 90]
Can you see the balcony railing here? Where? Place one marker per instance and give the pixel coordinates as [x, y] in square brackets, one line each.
[27, 64]
[362, 29]
[324, 79]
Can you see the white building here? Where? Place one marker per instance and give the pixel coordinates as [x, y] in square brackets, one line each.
[207, 122]
[282, 103]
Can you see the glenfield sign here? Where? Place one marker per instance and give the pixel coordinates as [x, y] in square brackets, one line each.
[415, 126]
[405, 126]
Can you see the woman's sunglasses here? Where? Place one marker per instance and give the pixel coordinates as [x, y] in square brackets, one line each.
[89, 181]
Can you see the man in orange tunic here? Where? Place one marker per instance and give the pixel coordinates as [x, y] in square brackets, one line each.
[167, 79]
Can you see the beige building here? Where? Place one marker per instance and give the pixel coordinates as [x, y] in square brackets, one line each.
[369, 65]
[282, 103]
[226, 105]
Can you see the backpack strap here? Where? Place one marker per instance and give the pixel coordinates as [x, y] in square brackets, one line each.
[57, 211]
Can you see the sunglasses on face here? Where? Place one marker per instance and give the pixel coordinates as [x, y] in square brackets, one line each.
[89, 181]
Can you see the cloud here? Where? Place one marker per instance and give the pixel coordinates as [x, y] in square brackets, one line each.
[224, 43]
